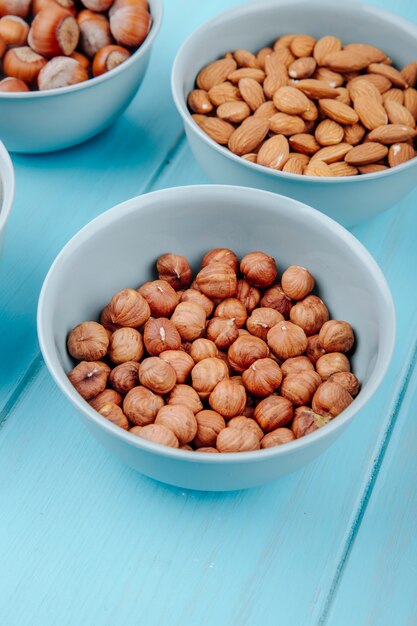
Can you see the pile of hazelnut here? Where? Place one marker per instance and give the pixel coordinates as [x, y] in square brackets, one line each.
[230, 360]
[47, 44]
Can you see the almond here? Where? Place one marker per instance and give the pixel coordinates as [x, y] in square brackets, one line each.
[215, 128]
[371, 113]
[303, 67]
[371, 53]
[399, 114]
[302, 45]
[251, 92]
[284, 41]
[199, 102]
[283, 55]
[409, 73]
[294, 166]
[393, 75]
[225, 92]
[304, 143]
[331, 154]
[392, 133]
[266, 111]
[251, 156]
[400, 153]
[343, 96]
[314, 88]
[393, 95]
[246, 72]
[244, 58]
[215, 73]
[329, 133]
[261, 56]
[372, 168]
[345, 61]
[248, 135]
[284, 124]
[368, 152]
[274, 152]
[354, 133]
[318, 168]
[338, 111]
[273, 82]
[325, 46]
[358, 88]
[333, 79]
[380, 82]
[273, 65]
[311, 114]
[410, 101]
[341, 168]
[290, 100]
[234, 112]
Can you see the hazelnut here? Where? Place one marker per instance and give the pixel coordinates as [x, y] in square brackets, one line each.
[331, 363]
[159, 335]
[310, 314]
[314, 349]
[346, 380]
[307, 421]
[209, 424]
[108, 396]
[297, 282]
[228, 398]
[157, 375]
[157, 433]
[237, 440]
[175, 270]
[273, 412]
[336, 336]
[180, 420]
[186, 447]
[13, 30]
[223, 357]
[221, 255]
[277, 437]
[141, 406]
[330, 399]
[109, 57]
[160, 296]
[180, 361]
[203, 349]
[222, 332]
[243, 331]
[94, 32]
[245, 351]
[115, 415]
[275, 298]
[130, 25]
[248, 295]
[23, 63]
[61, 72]
[20, 8]
[125, 344]
[124, 377]
[296, 364]
[299, 388]
[237, 379]
[89, 378]
[135, 430]
[192, 295]
[208, 449]
[262, 378]
[206, 374]
[88, 342]
[241, 422]
[232, 309]
[126, 308]
[259, 269]
[54, 32]
[262, 320]
[217, 280]
[189, 319]
[286, 340]
[185, 394]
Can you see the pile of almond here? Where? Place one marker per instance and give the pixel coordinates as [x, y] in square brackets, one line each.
[308, 106]
[230, 360]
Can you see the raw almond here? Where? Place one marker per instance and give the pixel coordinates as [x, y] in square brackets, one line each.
[215, 73]
[354, 133]
[371, 113]
[371, 53]
[409, 73]
[393, 95]
[274, 152]
[380, 82]
[316, 89]
[302, 45]
[294, 166]
[248, 135]
[266, 111]
[329, 133]
[251, 92]
[368, 152]
[393, 75]
[273, 65]
[343, 96]
[273, 82]
[345, 61]
[246, 72]
[341, 168]
[325, 46]
[400, 153]
[234, 112]
[331, 154]
[283, 55]
[399, 114]
[338, 111]
[290, 100]
[303, 67]
[359, 88]
[318, 168]
[215, 128]
[372, 168]
[284, 124]
[304, 143]
[261, 56]
[310, 114]
[284, 41]
[392, 133]
[225, 92]
[244, 58]
[199, 102]
[251, 156]
[410, 101]
[333, 79]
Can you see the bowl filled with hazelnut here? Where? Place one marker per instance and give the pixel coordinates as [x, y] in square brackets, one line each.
[291, 98]
[232, 338]
[7, 185]
[69, 69]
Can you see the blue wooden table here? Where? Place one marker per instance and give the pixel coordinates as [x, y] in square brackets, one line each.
[85, 541]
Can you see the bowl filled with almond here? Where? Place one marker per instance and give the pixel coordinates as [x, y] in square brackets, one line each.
[205, 344]
[286, 98]
[69, 69]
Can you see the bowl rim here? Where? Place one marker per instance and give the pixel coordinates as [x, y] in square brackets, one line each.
[138, 203]
[7, 182]
[156, 5]
[247, 10]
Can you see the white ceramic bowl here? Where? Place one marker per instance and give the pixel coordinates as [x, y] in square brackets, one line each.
[41, 121]
[119, 248]
[7, 184]
[349, 200]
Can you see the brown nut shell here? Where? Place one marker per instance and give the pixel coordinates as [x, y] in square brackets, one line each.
[89, 378]
[181, 362]
[221, 255]
[125, 344]
[273, 412]
[189, 319]
[262, 320]
[331, 399]
[228, 398]
[160, 334]
[331, 363]
[297, 282]
[346, 380]
[185, 394]
[300, 387]
[209, 424]
[232, 309]
[246, 350]
[141, 406]
[126, 308]
[296, 364]
[157, 375]
[262, 378]
[217, 280]
[259, 269]
[222, 332]
[161, 297]
[206, 374]
[124, 377]
[286, 340]
[336, 336]
[310, 314]
[180, 419]
[203, 349]
[175, 270]
[88, 342]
